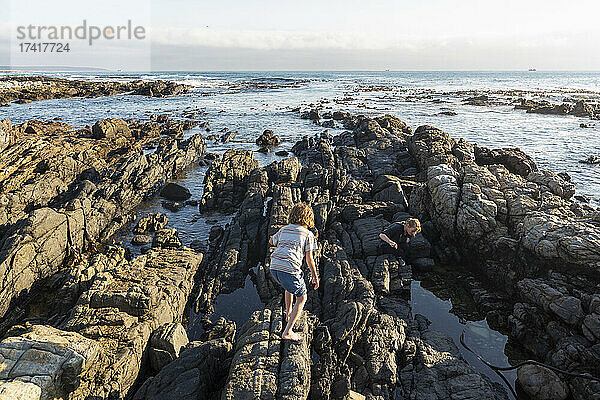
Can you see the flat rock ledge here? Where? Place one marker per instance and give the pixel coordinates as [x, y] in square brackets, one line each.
[265, 366]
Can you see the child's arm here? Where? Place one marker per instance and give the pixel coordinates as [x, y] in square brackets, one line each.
[311, 264]
[273, 240]
[389, 241]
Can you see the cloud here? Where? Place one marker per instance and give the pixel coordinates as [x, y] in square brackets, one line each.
[461, 53]
[278, 39]
[274, 40]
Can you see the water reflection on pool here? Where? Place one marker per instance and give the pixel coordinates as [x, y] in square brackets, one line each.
[486, 342]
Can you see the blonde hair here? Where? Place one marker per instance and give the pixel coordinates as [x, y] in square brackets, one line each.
[302, 214]
[414, 223]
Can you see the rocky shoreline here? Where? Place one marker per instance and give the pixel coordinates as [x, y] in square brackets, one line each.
[65, 191]
[25, 89]
[115, 318]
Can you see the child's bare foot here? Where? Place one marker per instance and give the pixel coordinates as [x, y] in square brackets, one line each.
[293, 336]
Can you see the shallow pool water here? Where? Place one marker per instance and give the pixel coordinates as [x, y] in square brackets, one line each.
[488, 343]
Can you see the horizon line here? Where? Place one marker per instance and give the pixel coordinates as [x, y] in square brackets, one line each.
[6, 68]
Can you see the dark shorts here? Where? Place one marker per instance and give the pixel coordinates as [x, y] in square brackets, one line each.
[293, 283]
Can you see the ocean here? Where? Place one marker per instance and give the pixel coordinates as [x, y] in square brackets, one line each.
[250, 102]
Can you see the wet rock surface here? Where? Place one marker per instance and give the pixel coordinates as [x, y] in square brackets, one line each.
[542, 383]
[435, 369]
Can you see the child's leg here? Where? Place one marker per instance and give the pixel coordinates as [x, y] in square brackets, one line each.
[296, 311]
[288, 304]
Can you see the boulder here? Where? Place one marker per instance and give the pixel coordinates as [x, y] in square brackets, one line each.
[175, 192]
[515, 160]
[197, 374]
[110, 128]
[541, 383]
[268, 139]
[46, 363]
[166, 343]
[166, 238]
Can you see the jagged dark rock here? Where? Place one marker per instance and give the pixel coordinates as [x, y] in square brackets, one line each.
[226, 181]
[175, 192]
[591, 160]
[197, 374]
[581, 108]
[150, 223]
[268, 139]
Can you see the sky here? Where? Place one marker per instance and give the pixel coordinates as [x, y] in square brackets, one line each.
[327, 35]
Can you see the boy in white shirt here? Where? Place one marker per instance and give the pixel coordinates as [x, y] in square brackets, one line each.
[294, 242]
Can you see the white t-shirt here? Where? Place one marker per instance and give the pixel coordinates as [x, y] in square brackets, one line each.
[292, 242]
